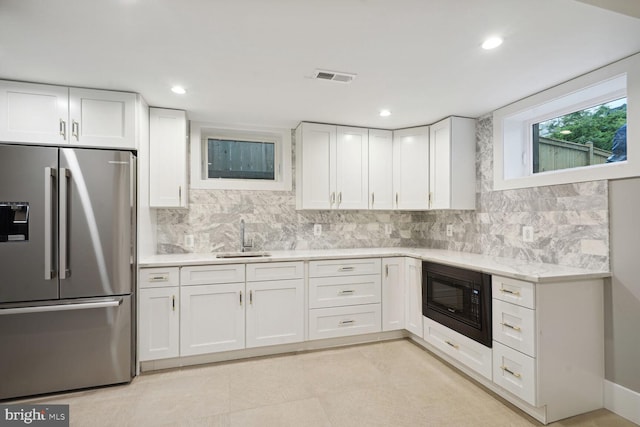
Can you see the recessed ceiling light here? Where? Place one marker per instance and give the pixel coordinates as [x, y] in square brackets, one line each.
[179, 90]
[492, 43]
[385, 113]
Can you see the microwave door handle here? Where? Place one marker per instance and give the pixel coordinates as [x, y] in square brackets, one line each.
[49, 175]
[64, 201]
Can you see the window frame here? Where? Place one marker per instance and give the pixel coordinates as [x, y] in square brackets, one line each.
[201, 132]
[512, 134]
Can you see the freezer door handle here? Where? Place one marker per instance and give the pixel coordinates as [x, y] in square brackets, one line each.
[64, 192]
[61, 307]
[49, 174]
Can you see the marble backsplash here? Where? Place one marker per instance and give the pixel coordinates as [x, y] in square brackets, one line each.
[570, 221]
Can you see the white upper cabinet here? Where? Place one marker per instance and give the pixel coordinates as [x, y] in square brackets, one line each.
[332, 167]
[452, 164]
[167, 158]
[316, 145]
[33, 113]
[411, 168]
[380, 169]
[45, 114]
[102, 118]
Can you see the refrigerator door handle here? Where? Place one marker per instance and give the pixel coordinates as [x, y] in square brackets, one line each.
[49, 174]
[61, 307]
[64, 193]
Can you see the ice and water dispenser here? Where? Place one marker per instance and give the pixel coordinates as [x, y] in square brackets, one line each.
[14, 221]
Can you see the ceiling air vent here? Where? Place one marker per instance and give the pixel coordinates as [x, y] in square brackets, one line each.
[333, 76]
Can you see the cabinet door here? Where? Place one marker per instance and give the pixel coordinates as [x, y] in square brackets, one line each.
[159, 323]
[318, 153]
[33, 113]
[452, 140]
[212, 318]
[167, 158]
[411, 168]
[393, 290]
[380, 169]
[440, 165]
[352, 168]
[413, 301]
[275, 312]
[102, 118]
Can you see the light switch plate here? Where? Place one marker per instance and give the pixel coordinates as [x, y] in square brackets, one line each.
[449, 230]
[387, 229]
[317, 229]
[527, 234]
[188, 240]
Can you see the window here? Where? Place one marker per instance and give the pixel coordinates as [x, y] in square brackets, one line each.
[581, 138]
[245, 158]
[230, 159]
[573, 132]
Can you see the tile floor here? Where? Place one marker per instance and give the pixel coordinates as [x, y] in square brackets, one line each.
[393, 383]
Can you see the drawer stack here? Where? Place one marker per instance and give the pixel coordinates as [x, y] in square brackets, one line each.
[344, 297]
[514, 337]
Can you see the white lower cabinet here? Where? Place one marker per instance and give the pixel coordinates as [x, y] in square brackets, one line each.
[344, 297]
[159, 323]
[393, 289]
[515, 372]
[465, 350]
[232, 316]
[275, 314]
[212, 318]
[343, 321]
[413, 296]
[159, 313]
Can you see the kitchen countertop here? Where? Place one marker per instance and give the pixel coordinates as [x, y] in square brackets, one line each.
[515, 268]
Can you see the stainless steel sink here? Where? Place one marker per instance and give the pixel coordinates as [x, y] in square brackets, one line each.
[242, 254]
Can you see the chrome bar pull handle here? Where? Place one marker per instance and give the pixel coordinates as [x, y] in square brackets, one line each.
[63, 129]
[173, 302]
[453, 345]
[240, 298]
[63, 215]
[396, 199]
[509, 371]
[75, 129]
[347, 268]
[507, 291]
[251, 297]
[346, 292]
[515, 328]
[332, 198]
[49, 174]
[346, 322]
[386, 270]
[180, 194]
[339, 198]
[373, 198]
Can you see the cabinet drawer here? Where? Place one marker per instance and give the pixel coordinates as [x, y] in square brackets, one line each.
[466, 351]
[159, 277]
[344, 267]
[275, 271]
[514, 326]
[344, 321]
[212, 274]
[341, 291]
[514, 291]
[515, 372]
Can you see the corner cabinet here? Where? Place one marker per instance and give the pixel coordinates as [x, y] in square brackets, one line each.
[452, 164]
[332, 167]
[380, 169]
[167, 158]
[45, 114]
[411, 168]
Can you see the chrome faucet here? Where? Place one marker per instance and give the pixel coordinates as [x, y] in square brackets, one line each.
[243, 245]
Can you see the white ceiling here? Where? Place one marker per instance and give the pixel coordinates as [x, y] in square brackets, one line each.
[249, 61]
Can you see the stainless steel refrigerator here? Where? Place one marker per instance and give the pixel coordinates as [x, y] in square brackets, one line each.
[67, 268]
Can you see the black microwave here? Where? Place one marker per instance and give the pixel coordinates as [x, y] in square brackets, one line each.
[459, 299]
